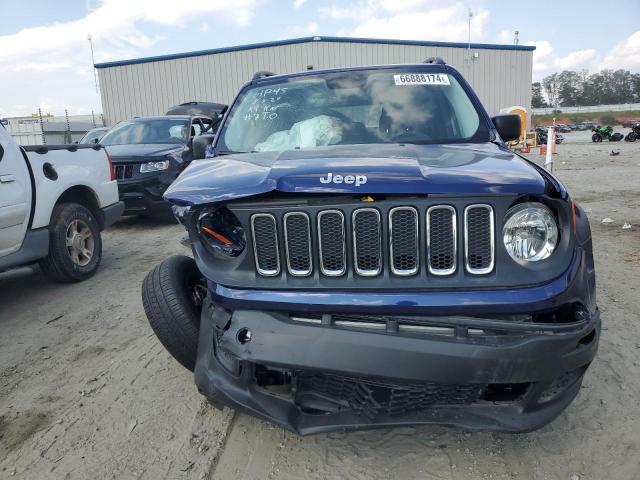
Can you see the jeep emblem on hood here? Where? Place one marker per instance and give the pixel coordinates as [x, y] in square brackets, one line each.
[349, 179]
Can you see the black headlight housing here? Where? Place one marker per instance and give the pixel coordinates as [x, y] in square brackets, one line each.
[220, 231]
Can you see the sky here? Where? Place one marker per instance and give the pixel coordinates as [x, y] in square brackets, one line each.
[45, 57]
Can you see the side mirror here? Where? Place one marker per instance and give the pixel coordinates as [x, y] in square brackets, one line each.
[508, 126]
[200, 145]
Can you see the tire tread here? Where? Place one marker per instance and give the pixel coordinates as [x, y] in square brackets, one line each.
[172, 316]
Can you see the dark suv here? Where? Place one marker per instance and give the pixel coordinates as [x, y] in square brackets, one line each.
[148, 153]
[368, 252]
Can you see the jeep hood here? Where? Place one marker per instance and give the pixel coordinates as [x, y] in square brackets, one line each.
[484, 169]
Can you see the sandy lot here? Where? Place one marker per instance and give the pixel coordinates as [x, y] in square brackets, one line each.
[86, 390]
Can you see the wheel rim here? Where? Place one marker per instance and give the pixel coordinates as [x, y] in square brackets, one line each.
[80, 243]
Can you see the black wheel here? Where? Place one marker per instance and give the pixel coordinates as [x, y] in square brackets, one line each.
[172, 295]
[75, 245]
[631, 137]
[596, 137]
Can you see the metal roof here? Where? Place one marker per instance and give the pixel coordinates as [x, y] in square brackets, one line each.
[293, 41]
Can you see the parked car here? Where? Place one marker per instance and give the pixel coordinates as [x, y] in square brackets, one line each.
[562, 128]
[368, 253]
[93, 136]
[542, 135]
[148, 153]
[54, 201]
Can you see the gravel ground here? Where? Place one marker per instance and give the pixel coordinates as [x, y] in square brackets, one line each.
[86, 390]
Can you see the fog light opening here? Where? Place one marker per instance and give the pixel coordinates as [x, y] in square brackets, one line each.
[587, 339]
[243, 336]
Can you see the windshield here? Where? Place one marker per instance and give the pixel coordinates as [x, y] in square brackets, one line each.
[92, 135]
[354, 107]
[147, 131]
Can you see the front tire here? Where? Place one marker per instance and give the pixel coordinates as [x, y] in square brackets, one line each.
[172, 295]
[631, 137]
[596, 137]
[75, 244]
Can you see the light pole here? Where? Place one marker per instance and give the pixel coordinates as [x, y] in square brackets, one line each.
[93, 62]
[469, 29]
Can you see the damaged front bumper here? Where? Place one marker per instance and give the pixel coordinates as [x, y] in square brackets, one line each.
[311, 375]
[505, 360]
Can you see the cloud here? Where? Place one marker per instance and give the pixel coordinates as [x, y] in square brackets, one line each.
[576, 60]
[298, 3]
[541, 55]
[412, 20]
[52, 59]
[625, 54]
[299, 30]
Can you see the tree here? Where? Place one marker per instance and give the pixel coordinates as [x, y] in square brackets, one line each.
[635, 87]
[570, 87]
[537, 98]
[551, 88]
[607, 87]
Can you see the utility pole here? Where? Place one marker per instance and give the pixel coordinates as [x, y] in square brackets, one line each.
[93, 62]
[469, 32]
[516, 40]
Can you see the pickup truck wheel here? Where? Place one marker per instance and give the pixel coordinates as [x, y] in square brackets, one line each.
[172, 295]
[75, 245]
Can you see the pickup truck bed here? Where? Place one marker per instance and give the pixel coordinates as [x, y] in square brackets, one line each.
[45, 186]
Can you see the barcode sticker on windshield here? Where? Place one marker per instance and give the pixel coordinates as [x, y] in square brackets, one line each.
[421, 79]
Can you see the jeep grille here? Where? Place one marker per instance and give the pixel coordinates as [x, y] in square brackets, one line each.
[367, 241]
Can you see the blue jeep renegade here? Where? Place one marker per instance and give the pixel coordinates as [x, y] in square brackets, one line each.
[368, 253]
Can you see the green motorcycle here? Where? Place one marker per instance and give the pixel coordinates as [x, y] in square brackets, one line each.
[605, 133]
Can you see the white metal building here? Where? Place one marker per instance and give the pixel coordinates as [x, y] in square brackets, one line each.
[51, 130]
[500, 74]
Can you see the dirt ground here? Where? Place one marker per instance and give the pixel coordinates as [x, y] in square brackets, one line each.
[86, 390]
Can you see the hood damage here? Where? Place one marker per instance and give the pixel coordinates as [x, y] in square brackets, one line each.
[359, 169]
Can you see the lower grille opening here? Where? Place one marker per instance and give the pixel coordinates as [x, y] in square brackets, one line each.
[329, 393]
[504, 392]
[274, 380]
[320, 393]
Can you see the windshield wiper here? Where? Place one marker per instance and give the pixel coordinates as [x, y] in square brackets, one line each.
[228, 152]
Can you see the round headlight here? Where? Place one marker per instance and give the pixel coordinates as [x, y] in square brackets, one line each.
[530, 232]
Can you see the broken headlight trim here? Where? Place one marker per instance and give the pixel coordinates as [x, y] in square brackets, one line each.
[530, 232]
[154, 166]
[221, 233]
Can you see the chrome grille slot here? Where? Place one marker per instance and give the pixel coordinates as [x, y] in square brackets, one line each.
[297, 240]
[479, 239]
[403, 240]
[441, 240]
[367, 242]
[331, 243]
[265, 244]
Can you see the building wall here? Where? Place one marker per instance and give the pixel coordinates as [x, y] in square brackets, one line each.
[52, 130]
[501, 78]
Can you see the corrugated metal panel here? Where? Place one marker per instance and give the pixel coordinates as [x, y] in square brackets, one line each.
[501, 78]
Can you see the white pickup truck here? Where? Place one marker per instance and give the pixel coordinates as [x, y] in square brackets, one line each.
[54, 202]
